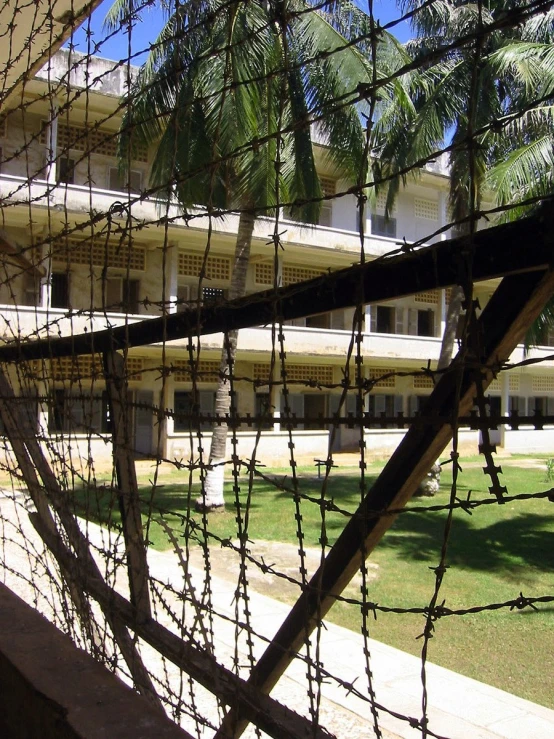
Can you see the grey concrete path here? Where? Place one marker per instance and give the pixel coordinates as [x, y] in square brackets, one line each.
[458, 707]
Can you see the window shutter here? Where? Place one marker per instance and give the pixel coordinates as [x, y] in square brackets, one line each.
[207, 401]
[517, 403]
[373, 319]
[114, 180]
[334, 401]
[337, 320]
[399, 320]
[183, 292]
[412, 405]
[113, 294]
[96, 414]
[398, 404]
[135, 178]
[76, 413]
[66, 171]
[29, 413]
[412, 321]
[131, 296]
[296, 403]
[120, 182]
[351, 403]
[380, 404]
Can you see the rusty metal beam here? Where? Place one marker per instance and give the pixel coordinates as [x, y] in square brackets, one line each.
[513, 307]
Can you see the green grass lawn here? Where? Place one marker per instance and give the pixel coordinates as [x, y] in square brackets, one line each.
[493, 554]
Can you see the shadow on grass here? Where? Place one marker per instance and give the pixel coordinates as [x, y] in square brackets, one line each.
[344, 490]
[508, 545]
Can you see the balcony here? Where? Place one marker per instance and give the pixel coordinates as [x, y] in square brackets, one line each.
[27, 322]
[400, 346]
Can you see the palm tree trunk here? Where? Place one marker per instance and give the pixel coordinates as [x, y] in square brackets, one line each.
[453, 313]
[212, 493]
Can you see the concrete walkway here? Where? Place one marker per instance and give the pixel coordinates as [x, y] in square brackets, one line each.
[458, 707]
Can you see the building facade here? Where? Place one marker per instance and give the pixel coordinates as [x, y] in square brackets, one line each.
[86, 248]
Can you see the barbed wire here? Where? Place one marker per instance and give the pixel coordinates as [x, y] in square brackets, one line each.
[128, 345]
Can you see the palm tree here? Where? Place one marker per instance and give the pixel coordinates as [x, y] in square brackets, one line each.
[228, 96]
[476, 94]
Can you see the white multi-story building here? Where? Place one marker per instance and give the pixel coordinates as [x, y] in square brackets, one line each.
[70, 266]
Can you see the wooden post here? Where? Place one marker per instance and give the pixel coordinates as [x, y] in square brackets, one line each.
[127, 487]
[502, 325]
[31, 460]
[273, 718]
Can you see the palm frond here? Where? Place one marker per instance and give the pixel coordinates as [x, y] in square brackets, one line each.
[526, 172]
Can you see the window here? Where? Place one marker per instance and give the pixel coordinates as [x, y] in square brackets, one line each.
[186, 411]
[296, 410]
[56, 411]
[59, 290]
[183, 408]
[186, 297]
[381, 226]
[385, 319]
[122, 295]
[125, 182]
[321, 320]
[416, 404]
[66, 171]
[264, 412]
[387, 405]
[425, 323]
[544, 406]
[78, 412]
[31, 289]
[27, 406]
[315, 410]
[517, 403]
[329, 187]
[213, 294]
[101, 414]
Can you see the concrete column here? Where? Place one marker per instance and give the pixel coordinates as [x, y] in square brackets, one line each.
[43, 260]
[442, 214]
[169, 422]
[275, 390]
[43, 415]
[367, 319]
[52, 145]
[442, 312]
[172, 277]
[279, 270]
[504, 402]
[275, 401]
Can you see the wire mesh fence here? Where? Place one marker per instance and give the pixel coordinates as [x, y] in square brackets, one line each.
[262, 266]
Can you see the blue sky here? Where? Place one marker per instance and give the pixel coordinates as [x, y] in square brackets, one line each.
[146, 31]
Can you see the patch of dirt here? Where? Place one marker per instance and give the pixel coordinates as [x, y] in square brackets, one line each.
[281, 559]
